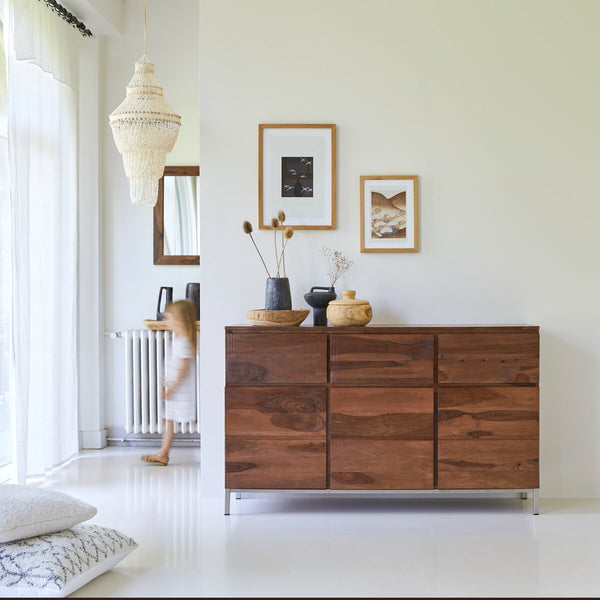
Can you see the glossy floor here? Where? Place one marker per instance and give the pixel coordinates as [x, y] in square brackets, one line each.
[329, 546]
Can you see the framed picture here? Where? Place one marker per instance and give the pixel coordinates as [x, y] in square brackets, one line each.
[296, 174]
[388, 213]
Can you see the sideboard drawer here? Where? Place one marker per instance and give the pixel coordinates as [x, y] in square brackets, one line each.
[488, 358]
[381, 413]
[276, 411]
[275, 463]
[488, 464]
[255, 358]
[503, 413]
[381, 359]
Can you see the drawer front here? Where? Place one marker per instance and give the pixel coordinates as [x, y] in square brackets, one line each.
[381, 359]
[381, 465]
[275, 463]
[488, 464]
[255, 358]
[381, 413]
[488, 413]
[276, 412]
[488, 358]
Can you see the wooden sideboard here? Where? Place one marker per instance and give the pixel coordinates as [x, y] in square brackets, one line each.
[382, 408]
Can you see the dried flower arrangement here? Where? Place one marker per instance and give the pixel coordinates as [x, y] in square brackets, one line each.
[286, 236]
[337, 264]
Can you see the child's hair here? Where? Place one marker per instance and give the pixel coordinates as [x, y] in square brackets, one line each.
[186, 311]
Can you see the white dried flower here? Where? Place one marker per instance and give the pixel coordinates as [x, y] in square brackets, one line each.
[337, 264]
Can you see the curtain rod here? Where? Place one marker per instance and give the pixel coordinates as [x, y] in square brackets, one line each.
[68, 17]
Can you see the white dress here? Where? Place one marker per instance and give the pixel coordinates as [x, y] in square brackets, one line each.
[181, 405]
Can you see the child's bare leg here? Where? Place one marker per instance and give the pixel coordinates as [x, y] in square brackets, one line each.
[168, 435]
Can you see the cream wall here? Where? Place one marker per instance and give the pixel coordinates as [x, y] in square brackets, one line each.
[494, 105]
[131, 281]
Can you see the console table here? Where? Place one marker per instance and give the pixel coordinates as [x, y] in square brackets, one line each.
[376, 408]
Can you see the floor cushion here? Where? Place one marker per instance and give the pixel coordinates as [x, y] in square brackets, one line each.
[57, 564]
[27, 511]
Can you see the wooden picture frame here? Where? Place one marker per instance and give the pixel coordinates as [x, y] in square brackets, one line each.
[296, 174]
[160, 258]
[389, 213]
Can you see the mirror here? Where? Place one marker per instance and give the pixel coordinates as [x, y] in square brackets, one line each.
[176, 218]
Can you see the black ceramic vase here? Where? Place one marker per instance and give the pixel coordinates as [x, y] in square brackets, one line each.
[192, 293]
[277, 294]
[160, 314]
[319, 301]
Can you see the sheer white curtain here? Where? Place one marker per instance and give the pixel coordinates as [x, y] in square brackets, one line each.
[6, 423]
[42, 145]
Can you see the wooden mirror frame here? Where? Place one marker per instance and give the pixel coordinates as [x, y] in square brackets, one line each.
[159, 222]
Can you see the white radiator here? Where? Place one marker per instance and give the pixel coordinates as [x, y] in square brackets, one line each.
[146, 359]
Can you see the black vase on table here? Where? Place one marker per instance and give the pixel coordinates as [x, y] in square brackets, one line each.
[277, 294]
[319, 301]
[192, 293]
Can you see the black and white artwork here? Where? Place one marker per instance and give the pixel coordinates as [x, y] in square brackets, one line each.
[297, 176]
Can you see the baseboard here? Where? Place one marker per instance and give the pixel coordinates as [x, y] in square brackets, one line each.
[92, 440]
[118, 437]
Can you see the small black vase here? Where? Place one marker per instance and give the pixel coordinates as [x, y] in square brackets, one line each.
[192, 293]
[160, 314]
[277, 294]
[319, 302]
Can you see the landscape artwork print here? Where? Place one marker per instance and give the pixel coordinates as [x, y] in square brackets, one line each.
[297, 176]
[388, 213]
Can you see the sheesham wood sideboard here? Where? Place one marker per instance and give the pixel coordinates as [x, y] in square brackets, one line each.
[409, 408]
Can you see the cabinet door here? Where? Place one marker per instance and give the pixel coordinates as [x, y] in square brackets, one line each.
[488, 438]
[275, 437]
[488, 358]
[381, 358]
[381, 438]
[279, 358]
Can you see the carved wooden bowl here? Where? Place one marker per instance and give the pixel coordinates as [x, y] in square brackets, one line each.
[260, 316]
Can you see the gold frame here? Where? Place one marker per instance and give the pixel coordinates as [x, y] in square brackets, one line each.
[415, 180]
[261, 129]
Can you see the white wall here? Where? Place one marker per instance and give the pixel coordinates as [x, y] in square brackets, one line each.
[494, 105]
[131, 281]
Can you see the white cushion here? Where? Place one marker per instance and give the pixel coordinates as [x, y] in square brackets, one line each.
[56, 564]
[27, 511]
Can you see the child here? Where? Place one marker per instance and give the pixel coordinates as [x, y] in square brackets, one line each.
[180, 394]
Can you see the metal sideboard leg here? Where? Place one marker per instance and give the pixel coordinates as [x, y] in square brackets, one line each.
[238, 495]
[227, 500]
[535, 509]
[523, 495]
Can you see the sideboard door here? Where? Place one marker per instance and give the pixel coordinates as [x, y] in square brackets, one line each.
[381, 438]
[275, 437]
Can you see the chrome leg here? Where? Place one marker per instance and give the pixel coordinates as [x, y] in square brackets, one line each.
[523, 495]
[227, 500]
[534, 502]
[238, 495]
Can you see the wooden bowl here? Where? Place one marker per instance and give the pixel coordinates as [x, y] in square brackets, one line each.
[289, 318]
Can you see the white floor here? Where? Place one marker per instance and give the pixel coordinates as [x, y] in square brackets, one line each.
[329, 546]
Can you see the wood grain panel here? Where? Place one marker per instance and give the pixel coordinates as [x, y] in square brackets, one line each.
[506, 413]
[381, 413]
[488, 358]
[276, 411]
[488, 464]
[381, 359]
[381, 465]
[275, 464]
[274, 358]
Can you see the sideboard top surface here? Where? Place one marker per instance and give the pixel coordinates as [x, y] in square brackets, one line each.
[308, 329]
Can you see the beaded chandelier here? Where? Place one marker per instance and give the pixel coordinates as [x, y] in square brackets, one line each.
[145, 129]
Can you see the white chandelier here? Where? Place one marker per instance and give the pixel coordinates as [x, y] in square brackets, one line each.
[145, 129]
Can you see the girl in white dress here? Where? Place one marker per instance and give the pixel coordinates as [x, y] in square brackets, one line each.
[180, 392]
